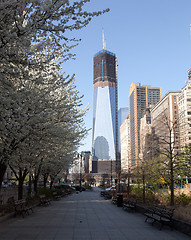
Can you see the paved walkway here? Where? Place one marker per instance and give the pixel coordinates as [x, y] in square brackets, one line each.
[84, 216]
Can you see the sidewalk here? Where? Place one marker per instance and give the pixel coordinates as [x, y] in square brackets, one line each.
[84, 216]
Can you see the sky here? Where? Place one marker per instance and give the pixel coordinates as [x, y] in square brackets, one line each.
[152, 42]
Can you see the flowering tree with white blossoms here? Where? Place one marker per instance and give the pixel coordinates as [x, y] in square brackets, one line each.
[53, 126]
[33, 36]
[23, 22]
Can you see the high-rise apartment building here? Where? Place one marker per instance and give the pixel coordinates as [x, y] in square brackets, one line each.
[105, 112]
[140, 98]
[165, 120]
[125, 145]
[184, 107]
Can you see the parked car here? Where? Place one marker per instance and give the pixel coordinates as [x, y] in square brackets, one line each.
[4, 185]
[110, 189]
[12, 184]
[80, 188]
[66, 186]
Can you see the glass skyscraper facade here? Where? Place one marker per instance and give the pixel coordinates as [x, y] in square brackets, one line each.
[105, 119]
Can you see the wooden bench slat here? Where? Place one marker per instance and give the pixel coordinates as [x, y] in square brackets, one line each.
[130, 204]
[160, 214]
[21, 207]
[44, 201]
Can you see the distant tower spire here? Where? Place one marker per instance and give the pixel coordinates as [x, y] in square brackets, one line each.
[104, 43]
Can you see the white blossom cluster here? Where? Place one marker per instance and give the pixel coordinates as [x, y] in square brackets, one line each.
[41, 120]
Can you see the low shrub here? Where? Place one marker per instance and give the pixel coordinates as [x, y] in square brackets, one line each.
[88, 187]
[45, 191]
[57, 190]
[150, 196]
[182, 199]
[137, 191]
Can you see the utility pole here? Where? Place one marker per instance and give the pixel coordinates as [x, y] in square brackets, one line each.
[111, 173]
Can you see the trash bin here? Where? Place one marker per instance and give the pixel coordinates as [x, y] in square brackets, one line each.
[119, 200]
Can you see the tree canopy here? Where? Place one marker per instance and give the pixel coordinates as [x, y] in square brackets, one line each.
[41, 122]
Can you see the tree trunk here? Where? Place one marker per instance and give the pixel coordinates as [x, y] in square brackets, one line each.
[22, 175]
[45, 178]
[20, 189]
[36, 177]
[171, 183]
[35, 181]
[3, 168]
[51, 183]
[143, 187]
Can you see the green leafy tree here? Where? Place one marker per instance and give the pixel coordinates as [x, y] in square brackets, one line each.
[185, 162]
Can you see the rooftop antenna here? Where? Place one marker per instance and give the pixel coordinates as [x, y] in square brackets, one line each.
[104, 43]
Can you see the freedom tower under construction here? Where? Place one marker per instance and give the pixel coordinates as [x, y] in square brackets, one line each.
[105, 109]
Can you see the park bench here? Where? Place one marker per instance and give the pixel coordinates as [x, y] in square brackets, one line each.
[44, 201]
[56, 196]
[1, 199]
[106, 194]
[64, 193]
[130, 204]
[21, 207]
[160, 214]
[102, 193]
[114, 200]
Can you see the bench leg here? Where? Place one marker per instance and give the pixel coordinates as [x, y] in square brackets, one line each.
[161, 226]
[31, 209]
[23, 213]
[153, 221]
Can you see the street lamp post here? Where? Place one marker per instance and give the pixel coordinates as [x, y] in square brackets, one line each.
[111, 173]
[80, 165]
[128, 182]
[80, 170]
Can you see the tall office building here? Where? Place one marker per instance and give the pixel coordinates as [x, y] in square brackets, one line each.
[140, 98]
[105, 113]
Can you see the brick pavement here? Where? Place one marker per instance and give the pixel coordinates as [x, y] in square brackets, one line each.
[84, 216]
